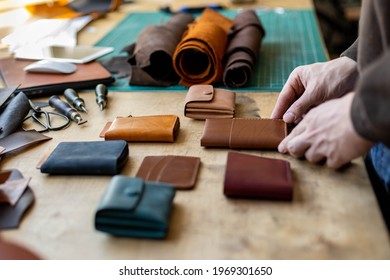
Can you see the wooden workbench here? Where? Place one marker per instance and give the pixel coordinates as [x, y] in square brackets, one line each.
[333, 215]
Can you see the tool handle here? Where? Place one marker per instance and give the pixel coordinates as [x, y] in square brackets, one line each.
[60, 106]
[73, 98]
[101, 95]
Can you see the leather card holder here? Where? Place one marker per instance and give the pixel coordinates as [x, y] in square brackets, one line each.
[249, 176]
[179, 171]
[244, 133]
[87, 158]
[158, 128]
[205, 102]
[131, 207]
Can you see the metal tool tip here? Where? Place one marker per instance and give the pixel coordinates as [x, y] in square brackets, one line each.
[84, 109]
[101, 106]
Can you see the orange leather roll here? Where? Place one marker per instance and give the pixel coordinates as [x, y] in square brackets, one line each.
[198, 57]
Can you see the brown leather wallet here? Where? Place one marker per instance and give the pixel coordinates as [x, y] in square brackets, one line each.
[179, 171]
[250, 133]
[159, 128]
[249, 176]
[205, 102]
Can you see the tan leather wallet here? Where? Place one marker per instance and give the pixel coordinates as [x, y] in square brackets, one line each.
[179, 171]
[250, 133]
[159, 128]
[205, 102]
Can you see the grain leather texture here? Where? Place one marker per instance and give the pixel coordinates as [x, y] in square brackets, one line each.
[159, 128]
[133, 208]
[249, 176]
[250, 133]
[179, 171]
[205, 102]
[87, 158]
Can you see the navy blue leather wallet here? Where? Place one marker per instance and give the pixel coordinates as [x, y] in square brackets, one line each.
[87, 158]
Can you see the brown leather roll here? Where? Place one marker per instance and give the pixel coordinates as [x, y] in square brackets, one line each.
[198, 57]
[243, 48]
[152, 57]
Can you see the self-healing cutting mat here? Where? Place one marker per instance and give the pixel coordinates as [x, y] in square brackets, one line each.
[292, 39]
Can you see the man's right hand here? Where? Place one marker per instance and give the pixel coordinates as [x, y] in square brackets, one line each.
[311, 85]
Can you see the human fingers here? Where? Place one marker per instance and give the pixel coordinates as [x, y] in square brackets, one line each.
[291, 91]
[283, 145]
[314, 154]
[298, 146]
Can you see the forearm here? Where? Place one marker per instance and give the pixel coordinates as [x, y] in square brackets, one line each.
[371, 106]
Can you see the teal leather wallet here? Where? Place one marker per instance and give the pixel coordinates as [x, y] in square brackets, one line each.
[131, 207]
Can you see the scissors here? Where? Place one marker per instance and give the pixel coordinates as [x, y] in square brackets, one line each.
[44, 118]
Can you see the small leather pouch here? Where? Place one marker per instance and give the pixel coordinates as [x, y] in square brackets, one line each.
[206, 102]
[249, 176]
[243, 133]
[87, 158]
[132, 207]
[159, 128]
[179, 171]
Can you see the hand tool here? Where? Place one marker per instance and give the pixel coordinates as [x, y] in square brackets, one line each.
[64, 108]
[74, 99]
[101, 96]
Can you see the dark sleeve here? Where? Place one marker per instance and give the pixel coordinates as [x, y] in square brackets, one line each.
[351, 52]
[371, 105]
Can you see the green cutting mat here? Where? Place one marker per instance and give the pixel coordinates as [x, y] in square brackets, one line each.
[292, 39]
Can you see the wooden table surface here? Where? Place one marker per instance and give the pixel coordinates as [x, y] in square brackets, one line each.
[333, 215]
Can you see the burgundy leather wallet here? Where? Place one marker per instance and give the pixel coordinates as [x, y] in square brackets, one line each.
[244, 133]
[249, 176]
[179, 171]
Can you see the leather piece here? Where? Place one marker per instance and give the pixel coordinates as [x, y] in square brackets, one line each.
[87, 75]
[11, 191]
[21, 139]
[11, 215]
[12, 251]
[243, 133]
[179, 171]
[131, 207]
[87, 158]
[248, 176]
[158, 128]
[154, 49]
[243, 48]
[205, 101]
[13, 114]
[204, 42]
[149, 59]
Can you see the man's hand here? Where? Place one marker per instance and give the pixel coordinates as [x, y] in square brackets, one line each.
[327, 133]
[313, 84]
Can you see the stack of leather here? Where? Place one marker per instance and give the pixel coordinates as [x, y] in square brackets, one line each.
[244, 45]
[198, 57]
